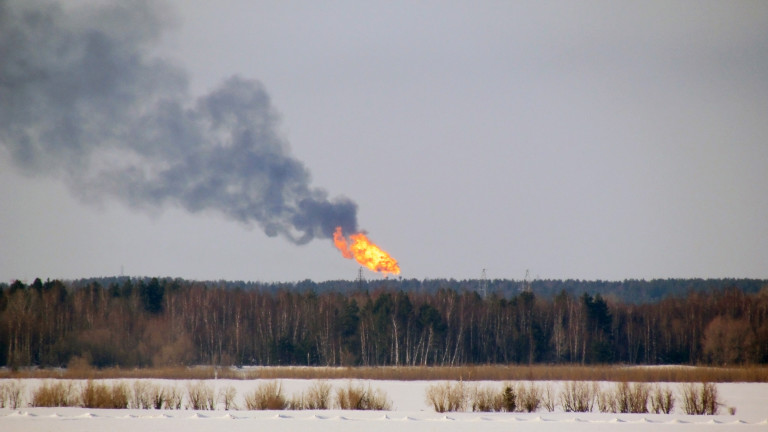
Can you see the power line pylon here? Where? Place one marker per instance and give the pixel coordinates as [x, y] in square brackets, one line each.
[360, 281]
[483, 284]
[527, 282]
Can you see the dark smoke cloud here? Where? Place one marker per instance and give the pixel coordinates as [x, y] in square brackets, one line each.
[83, 101]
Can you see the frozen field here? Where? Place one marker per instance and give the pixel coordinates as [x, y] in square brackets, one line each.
[410, 412]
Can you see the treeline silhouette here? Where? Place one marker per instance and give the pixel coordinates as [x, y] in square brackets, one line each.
[140, 322]
[626, 291]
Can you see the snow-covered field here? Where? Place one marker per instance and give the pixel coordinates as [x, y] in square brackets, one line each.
[410, 411]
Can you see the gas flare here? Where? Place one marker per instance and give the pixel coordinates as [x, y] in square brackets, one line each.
[359, 247]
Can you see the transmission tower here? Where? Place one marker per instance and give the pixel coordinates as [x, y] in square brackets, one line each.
[526, 286]
[483, 284]
[360, 281]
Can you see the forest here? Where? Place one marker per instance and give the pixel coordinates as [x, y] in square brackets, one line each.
[145, 322]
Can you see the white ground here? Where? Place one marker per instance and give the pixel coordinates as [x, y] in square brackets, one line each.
[410, 412]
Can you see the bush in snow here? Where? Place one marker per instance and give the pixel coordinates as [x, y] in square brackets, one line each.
[227, 397]
[357, 397]
[317, 397]
[528, 397]
[267, 396]
[10, 394]
[488, 399]
[700, 399]
[578, 396]
[662, 400]
[446, 397]
[54, 394]
[200, 396]
[100, 395]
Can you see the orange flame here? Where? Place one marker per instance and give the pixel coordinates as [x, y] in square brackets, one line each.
[365, 252]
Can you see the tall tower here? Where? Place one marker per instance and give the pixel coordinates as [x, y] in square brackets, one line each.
[360, 281]
[483, 284]
[526, 286]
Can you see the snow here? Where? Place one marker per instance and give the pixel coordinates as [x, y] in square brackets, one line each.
[410, 412]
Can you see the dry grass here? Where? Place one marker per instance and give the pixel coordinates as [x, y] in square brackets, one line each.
[227, 397]
[157, 396]
[574, 396]
[700, 399]
[317, 397]
[147, 395]
[549, 400]
[11, 394]
[579, 396]
[607, 401]
[428, 373]
[55, 394]
[100, 395]
[267, 396]
[635, 398]
[172, 397]
[200, 396]
[520, 397]
[141, 397]
[662, 399]
[529, 397]
[447, 397]
[626, 398]
[488, 399]
[358, 397]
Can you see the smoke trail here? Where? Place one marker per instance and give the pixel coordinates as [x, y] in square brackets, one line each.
[83, 101]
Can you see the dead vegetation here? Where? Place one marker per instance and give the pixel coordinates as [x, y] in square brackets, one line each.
[359, 397]
[522, 396]
[564, 372]
[316, 397]
[574, 396]
[447, 397]
[102, 395]
[54, 393]
[200, 396]
[266, 396]
[11, 394]
[698, 399]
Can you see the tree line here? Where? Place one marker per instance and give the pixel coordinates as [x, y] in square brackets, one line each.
[626, 291]
[141, 322]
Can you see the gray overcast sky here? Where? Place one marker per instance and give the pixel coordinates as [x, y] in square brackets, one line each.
[589, 140]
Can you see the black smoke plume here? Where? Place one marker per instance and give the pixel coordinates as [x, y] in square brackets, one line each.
[82, 100]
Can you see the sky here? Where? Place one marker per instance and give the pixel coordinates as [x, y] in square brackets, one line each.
[223, 140]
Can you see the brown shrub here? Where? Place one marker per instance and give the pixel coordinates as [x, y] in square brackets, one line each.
[11, 394]
[606, 401]
[358, 397]
[100, 395]
[200, 396]
[157, 396]
[528, 397]
[317, 396]
[578, 396]
[487, 399]
[662, 399]
[548, 398]
[227, 397]
[447, 397]
[267, 396]
[141, 397]
[631, 398]
[173, 397]
[700, 399]
[55, 394]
